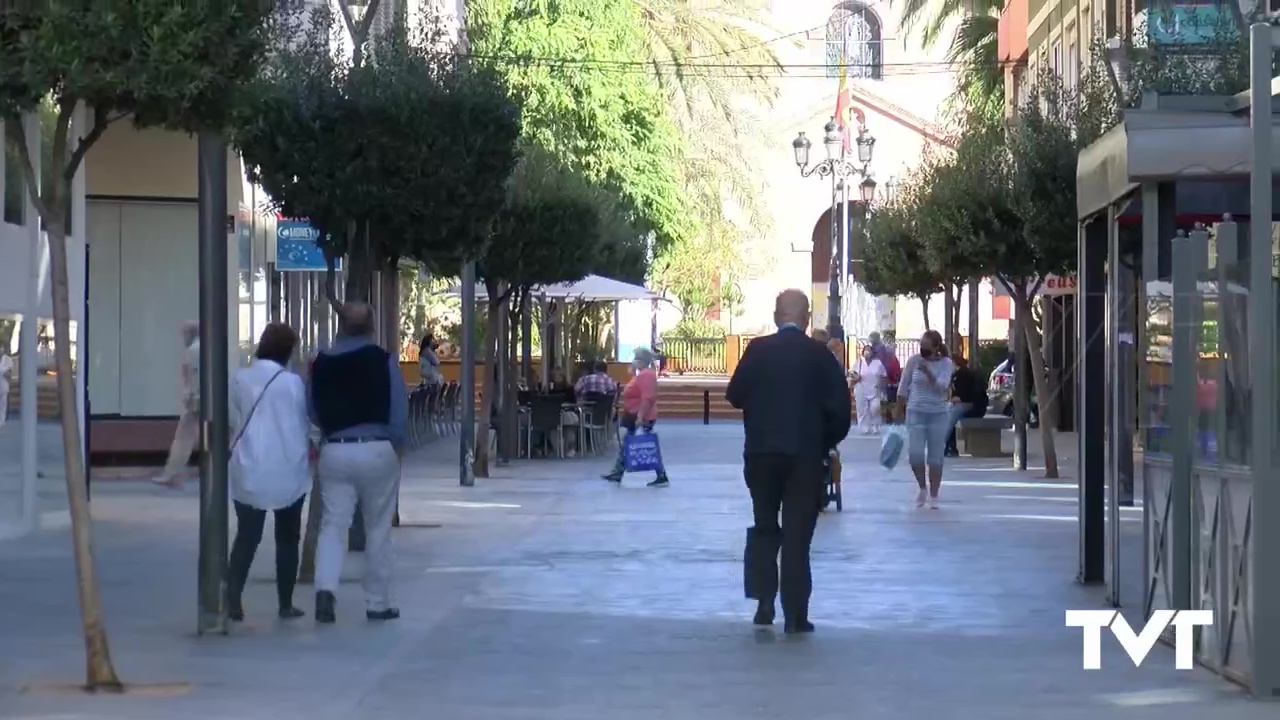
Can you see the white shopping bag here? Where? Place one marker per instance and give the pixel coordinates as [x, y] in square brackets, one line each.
[891, 445]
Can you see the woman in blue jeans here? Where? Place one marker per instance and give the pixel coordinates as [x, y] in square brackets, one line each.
[925, 391]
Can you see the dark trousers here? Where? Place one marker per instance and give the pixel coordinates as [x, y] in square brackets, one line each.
[974, 410]
[249, 523]
[792, 486]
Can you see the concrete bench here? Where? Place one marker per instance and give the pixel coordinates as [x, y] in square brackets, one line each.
[981, 436]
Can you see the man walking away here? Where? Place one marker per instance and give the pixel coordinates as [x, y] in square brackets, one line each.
[187, 434]
[795, 408]
[360, 402]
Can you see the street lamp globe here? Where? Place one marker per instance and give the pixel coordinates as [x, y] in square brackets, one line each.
[868, 191]
[831, 140]
[801, 146]
[865, 144]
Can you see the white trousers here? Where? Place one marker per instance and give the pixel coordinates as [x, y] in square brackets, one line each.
[868, 411]
[368, 473]
[185, 439]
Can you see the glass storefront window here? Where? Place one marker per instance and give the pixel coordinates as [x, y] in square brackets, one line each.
[1232, 372]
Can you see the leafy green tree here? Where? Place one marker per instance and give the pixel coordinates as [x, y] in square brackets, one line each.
[572, 63]
[680, 36]
[157, 63]
[972, 50]
[411, 151]
[548, 232]
[893, 261]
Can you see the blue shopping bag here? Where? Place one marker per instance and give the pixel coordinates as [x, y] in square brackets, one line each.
[891, 446]
[641, 453]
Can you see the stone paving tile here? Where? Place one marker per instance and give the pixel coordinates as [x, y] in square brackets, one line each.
[548, 593]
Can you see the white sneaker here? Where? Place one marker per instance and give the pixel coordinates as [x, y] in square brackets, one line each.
[922, 497]
[933, 502]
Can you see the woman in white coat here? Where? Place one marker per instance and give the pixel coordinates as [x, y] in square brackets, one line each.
[868, 379]
[270, 465]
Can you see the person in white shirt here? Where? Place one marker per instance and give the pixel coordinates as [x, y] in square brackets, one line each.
[270, 465]
[868, 380]
[187, 434]
[6, 377]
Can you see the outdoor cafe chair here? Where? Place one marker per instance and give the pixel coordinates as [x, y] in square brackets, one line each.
[597, 416]
[545, 419]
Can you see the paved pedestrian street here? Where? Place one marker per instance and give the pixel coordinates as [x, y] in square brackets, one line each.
[547, 593]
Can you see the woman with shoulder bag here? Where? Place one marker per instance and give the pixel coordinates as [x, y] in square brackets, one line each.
[270, 465]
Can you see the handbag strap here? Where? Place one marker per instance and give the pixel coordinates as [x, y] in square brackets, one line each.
[245, 425]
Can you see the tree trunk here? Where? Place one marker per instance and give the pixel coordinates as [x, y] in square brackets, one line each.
[1041, 383]
[488, 387]
[526, 338]
[924, 309]
[359, 266]
[510, 397]
[100, 673]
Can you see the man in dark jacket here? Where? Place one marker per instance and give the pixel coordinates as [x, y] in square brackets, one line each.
[795, 408]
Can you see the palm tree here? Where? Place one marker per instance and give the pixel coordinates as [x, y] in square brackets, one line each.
[689, 43]
[973, 49]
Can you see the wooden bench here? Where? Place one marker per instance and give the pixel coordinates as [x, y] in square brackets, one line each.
[981, 436]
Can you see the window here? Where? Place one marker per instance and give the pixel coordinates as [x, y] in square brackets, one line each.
[854, 41]
[1071, 74]
[1055, 63]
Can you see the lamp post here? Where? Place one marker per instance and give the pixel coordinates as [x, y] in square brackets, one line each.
[838, 167]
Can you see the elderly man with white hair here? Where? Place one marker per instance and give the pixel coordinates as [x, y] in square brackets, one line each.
[639, 409]
[187, 434]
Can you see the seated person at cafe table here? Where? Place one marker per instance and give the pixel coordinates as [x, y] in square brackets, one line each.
[596, 381]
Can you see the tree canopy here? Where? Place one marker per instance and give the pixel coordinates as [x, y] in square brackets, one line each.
[572, 63]
[411, 147]
[893, 261]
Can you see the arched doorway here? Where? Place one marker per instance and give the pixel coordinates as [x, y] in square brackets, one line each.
[820, 269]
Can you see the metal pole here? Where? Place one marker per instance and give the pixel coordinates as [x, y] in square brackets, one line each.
[466, 434]
[1182, 403]
[28, 358]
[214, 348]
[843, 258]
[833, 271]
[974, 320]
[1265, 580]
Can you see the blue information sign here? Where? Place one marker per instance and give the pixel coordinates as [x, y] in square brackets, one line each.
[297, 248]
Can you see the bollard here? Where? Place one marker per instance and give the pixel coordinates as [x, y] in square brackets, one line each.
[706, 407]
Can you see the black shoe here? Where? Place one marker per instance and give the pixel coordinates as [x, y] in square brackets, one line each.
[388, 614]
[326, 612]
[613, 477]
[290, 613]
[764, 614]
[660, 481]
[235, 608]
[797, 626]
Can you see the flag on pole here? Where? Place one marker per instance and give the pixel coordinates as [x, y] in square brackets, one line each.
[844, 106]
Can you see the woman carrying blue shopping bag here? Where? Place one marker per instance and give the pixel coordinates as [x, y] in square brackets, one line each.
[640, 411]
[925, 390]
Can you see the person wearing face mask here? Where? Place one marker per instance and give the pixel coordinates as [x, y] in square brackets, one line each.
[925, 393]
[868, 381]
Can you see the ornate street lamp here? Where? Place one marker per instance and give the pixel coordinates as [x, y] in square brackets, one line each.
[838, 167]
[868, 191]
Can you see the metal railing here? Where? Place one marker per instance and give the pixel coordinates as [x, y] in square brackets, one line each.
[694, 355]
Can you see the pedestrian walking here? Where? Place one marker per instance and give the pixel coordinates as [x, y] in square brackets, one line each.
[968, 399]
[360, 402]
[795, 410]
[187, 435]
[925, 393]
[868, 386]
[639, 412]
[270, 465]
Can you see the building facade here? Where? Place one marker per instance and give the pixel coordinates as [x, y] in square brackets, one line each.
[899, 89]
